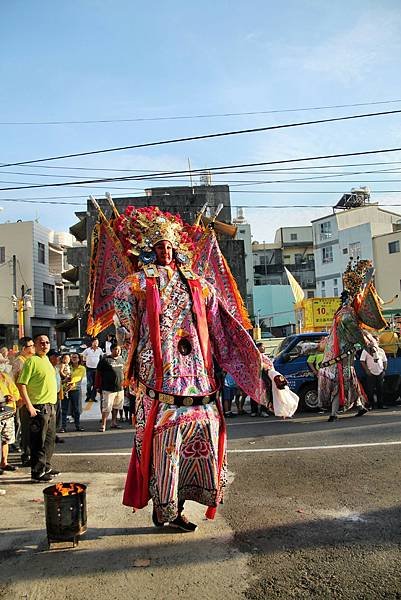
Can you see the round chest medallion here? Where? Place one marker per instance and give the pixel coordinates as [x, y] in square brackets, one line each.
[184, 346]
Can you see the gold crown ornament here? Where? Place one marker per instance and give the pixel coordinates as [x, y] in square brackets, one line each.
[140, 229]
[357, 274]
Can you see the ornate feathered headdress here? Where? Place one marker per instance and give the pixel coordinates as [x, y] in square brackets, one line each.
[356, 276]
[139, 229]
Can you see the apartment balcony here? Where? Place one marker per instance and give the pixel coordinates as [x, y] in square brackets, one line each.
[276, 269]
[75, 304]
[63, 312]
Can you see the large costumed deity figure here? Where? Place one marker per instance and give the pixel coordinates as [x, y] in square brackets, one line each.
[181, 313]
[358, 313]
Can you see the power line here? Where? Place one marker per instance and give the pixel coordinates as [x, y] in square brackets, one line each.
[215, 170]
[57, 199]
[206, 136]
[284, 172]
[393, 162]
[201, 116]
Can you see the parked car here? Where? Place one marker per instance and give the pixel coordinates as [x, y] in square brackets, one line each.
[291, 361]
[73, 346]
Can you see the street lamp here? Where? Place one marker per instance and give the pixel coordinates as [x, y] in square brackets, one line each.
[21, 305]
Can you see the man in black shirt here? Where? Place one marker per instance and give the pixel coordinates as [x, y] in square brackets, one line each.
[109, 382]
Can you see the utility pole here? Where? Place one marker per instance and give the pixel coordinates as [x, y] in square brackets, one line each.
[21, 316]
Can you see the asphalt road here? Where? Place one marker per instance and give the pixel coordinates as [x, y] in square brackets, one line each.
[312, 511]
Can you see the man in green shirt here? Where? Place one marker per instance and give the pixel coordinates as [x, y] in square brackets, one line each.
[38, 389]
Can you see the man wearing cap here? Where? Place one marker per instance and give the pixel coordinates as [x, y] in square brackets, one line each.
[38, 388]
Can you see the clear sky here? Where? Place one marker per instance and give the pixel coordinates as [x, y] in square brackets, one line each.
[100, 59]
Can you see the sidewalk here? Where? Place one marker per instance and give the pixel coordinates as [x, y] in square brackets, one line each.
[175, 565]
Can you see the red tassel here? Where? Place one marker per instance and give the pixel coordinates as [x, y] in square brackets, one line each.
[146, 454]
[153, 312]
[201, 321]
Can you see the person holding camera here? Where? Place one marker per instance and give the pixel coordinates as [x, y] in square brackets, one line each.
[374, 362]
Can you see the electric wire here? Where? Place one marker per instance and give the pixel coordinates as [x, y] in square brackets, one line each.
[206, 136]
[214, 170]
[317, 176]
[393, 162]
[201, 116]
[242, 205]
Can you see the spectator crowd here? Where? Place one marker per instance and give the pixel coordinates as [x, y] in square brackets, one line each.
[41, 397]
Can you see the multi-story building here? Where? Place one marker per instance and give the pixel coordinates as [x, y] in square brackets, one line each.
[186, 201]
[347, 233]
[293, 249]
[273, 298]
[244, 234]
[32, 259]
[387, 261]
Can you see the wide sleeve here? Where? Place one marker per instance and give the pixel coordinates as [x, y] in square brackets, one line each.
[126, 306]
[126, 298]
[234, 349]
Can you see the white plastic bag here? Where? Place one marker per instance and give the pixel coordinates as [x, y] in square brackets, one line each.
[285, 402]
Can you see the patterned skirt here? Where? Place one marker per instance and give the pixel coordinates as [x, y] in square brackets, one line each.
[328, 389]
[184, 455]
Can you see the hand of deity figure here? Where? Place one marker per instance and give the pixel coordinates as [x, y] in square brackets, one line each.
[280, 382]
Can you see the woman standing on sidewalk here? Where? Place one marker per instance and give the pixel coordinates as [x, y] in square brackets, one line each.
[72, 392]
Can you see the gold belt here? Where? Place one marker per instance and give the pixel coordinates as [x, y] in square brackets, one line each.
[176, 400]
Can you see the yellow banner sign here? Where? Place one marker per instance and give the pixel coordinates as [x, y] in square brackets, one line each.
[319, 312]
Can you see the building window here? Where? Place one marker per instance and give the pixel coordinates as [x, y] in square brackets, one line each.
[48, 294]
[298, 259]
[327, 254]
[2, 254]
[310, 294]
[335, 291]
[293, 237]
[335, 281]
[60, 300]
[41, 253]
[242, 230]
[345, 250]
[311, 258]
[393, 247]
[325, 230]
[355, 250]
